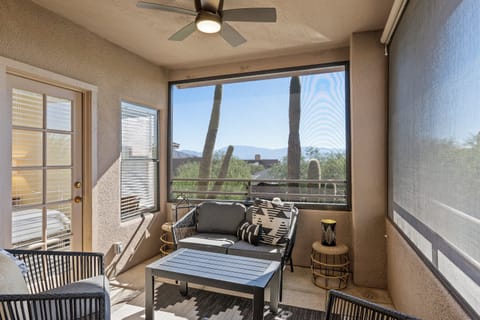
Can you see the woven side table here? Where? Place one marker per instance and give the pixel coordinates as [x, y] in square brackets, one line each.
[166, 239]
[330, 265]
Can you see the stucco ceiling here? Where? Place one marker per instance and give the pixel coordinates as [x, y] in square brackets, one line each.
[302, 26]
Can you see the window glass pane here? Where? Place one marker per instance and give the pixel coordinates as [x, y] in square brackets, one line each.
[27, 109]
[138, 185]
[26, 187]
[281, 136]
[139, 132]
[26, 226]
[59, 149]
[139, 166]
[59, 182]
[26, 148]
[59, 221]
[59, 114]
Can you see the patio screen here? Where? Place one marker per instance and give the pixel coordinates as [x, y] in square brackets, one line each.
[273, 134]
[435, 140]
[139, 160]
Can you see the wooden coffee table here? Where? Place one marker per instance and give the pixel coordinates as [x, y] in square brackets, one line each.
[218, 270]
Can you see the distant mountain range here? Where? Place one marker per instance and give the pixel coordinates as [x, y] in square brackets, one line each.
[249, 152]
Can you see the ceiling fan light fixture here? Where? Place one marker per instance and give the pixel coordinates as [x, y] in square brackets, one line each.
[208, 22]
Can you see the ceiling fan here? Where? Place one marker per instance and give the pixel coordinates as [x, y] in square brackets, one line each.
[211, 18]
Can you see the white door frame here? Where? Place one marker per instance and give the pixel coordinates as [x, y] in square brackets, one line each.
[89, 113]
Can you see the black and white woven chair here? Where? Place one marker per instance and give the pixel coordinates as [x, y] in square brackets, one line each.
[61, 285]
[342, 306]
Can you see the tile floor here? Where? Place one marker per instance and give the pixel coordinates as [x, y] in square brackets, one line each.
[127, 292]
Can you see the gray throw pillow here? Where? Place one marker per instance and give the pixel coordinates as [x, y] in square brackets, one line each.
[220, 217]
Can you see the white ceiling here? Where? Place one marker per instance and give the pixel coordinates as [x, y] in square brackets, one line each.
[302, 26]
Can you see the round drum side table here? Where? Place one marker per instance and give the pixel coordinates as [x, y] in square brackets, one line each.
[330, 265]
[166, 239]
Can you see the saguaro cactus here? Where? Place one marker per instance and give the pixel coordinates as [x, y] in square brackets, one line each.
[207, 156]
[294, 148]
[223, 171]
[314, 172]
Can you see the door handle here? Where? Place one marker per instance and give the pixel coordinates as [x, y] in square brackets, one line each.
[77, 199]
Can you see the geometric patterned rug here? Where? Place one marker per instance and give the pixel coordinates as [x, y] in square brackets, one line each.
[203, 305]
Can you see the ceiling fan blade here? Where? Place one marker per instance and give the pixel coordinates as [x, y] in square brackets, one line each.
[162, 7]
[198, 5]
[231, 35]
[184, 32]
[250, 15]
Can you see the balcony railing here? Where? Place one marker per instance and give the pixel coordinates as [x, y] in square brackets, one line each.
[328, 192]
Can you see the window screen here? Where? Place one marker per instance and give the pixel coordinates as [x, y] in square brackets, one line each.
[435, 139]
[276, 134]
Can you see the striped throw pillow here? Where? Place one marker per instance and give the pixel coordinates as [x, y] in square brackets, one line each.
[248, 232]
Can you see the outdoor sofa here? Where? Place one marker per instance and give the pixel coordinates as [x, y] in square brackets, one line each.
[215, 227]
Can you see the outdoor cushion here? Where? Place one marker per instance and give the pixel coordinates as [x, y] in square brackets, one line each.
[11, 277]
[213, 242]
[262, 251]
[218, 217]
[274, 217]
[98, 284]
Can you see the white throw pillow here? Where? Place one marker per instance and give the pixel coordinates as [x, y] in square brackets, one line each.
[11, 277]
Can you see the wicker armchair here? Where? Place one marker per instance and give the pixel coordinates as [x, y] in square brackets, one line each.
[342, 306]
[62, 285]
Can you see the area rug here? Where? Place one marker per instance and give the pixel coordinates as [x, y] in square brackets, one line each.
[203, 305]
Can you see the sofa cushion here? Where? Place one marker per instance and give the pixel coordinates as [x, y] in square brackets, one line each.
[249, 232]
[220, 217]
[98, 284]
[212, 242]
[11, 277]
[274, 217]
[262, 251]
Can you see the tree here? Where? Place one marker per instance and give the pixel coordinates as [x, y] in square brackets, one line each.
[206, 162]
[237, 168]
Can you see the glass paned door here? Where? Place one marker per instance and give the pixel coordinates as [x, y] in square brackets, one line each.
[46, 166]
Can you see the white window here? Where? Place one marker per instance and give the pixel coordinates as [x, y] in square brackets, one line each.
[139, 160]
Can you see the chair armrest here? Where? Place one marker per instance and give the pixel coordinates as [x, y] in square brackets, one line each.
[290, 238]
[342, 305]
[185, 226]
[51, 269]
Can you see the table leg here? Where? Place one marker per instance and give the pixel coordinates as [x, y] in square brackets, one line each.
[149, 281]
[258, 303]
[183, 288]
[275, 291]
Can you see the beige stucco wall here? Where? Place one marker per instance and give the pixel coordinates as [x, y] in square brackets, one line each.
[412, 286]
[33, 35]
[309, 231]
[369, 158]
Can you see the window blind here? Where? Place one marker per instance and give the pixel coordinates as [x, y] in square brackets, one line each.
[139, 160]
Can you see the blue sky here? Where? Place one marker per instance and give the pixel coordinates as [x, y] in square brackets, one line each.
[255, 113]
